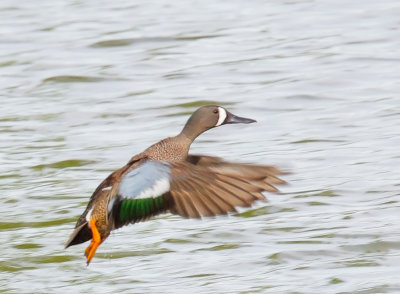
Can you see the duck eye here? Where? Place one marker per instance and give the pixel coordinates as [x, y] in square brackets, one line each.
[215, 111]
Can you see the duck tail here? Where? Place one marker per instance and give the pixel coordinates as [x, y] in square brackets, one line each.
[81, 234]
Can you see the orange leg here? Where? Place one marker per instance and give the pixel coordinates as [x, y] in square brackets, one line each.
[96, 241]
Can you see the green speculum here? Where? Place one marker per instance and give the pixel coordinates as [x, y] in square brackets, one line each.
[132, 209]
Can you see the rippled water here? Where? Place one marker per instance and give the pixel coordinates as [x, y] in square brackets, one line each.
[87, 84]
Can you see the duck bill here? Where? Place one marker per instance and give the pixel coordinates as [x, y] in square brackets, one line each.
[234, 119]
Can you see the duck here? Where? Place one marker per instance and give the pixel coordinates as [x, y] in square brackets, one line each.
[167, 178]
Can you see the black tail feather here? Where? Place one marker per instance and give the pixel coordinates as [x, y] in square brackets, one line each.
[79, 235]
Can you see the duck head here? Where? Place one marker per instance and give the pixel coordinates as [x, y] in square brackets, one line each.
[211, 116]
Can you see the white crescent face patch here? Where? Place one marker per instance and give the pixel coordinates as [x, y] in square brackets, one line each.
[222, 116]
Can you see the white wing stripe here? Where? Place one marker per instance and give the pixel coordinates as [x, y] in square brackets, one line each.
[160, 187]
[148, 180]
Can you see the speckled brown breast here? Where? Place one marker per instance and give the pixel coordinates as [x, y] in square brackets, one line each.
[172, 149]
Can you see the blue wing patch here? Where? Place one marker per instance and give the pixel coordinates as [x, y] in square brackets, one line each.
[151, 179]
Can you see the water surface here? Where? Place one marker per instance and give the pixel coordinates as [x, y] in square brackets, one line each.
[87, 84]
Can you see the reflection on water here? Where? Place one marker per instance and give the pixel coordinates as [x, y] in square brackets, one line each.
[87, 85]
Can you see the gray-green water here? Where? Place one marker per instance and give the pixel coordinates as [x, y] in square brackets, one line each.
[87, 84]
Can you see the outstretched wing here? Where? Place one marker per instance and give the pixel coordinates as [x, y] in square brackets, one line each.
[189, 190]
[242, 170]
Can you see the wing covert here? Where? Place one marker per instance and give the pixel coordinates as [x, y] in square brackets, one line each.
[151, 179]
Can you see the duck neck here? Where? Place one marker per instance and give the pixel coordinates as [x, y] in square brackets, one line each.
[191, 132]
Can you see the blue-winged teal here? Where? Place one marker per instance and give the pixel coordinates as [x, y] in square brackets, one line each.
[165, 177]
